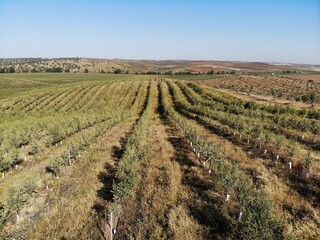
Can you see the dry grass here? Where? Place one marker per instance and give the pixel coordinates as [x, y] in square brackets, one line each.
[300, 217]
[159, 213]
[68, 210]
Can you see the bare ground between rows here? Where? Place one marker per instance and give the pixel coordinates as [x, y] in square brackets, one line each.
[65, 211]
[263, 172]
[307, 188]
[161, 196]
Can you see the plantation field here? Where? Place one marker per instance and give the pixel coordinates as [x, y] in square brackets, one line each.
[315, 77]
[275, 86]
[87, 156]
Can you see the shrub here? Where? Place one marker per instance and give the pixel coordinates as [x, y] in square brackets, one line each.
[258, 220]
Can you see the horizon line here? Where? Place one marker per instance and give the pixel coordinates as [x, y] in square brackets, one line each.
[189, 60]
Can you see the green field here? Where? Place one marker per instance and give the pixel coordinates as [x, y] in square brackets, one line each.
[167, 156]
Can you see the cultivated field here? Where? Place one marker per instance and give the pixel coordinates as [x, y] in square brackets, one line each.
[314, 77]
[279, 87]
[153, 157]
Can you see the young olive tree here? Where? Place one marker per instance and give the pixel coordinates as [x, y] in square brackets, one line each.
[16, 197]
[4, 163]
[308, 162]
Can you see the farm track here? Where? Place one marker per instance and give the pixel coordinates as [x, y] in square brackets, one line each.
[160, 192]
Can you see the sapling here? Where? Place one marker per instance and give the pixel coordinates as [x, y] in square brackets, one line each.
[267, 138]
[4, 163]
[257, 134]
[16, 197]
[228, 178]
[279, 142]
[54, 166]
[33, 148]
[308, 162]
[292, 150]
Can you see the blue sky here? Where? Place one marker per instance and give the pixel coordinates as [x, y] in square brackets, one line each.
[248, 30]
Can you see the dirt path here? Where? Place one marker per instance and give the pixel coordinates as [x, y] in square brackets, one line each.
[159, 210]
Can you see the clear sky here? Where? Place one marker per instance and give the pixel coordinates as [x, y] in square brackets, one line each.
[247, 30]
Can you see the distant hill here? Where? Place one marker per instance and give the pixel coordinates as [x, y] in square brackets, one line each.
[95, 65]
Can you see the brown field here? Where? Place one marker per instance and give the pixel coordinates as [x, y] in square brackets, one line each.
[314, 77]
[288, 88]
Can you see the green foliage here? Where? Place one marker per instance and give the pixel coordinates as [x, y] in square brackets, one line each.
[279, 142]
[55, 70]
[308, 161]
[228, 176]
[54, 165]
[291, 150]
[127, 169]
[13, 156]
[15, 197]
[4, 162]
[33, 148]
[244, 191]
[258, 220]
